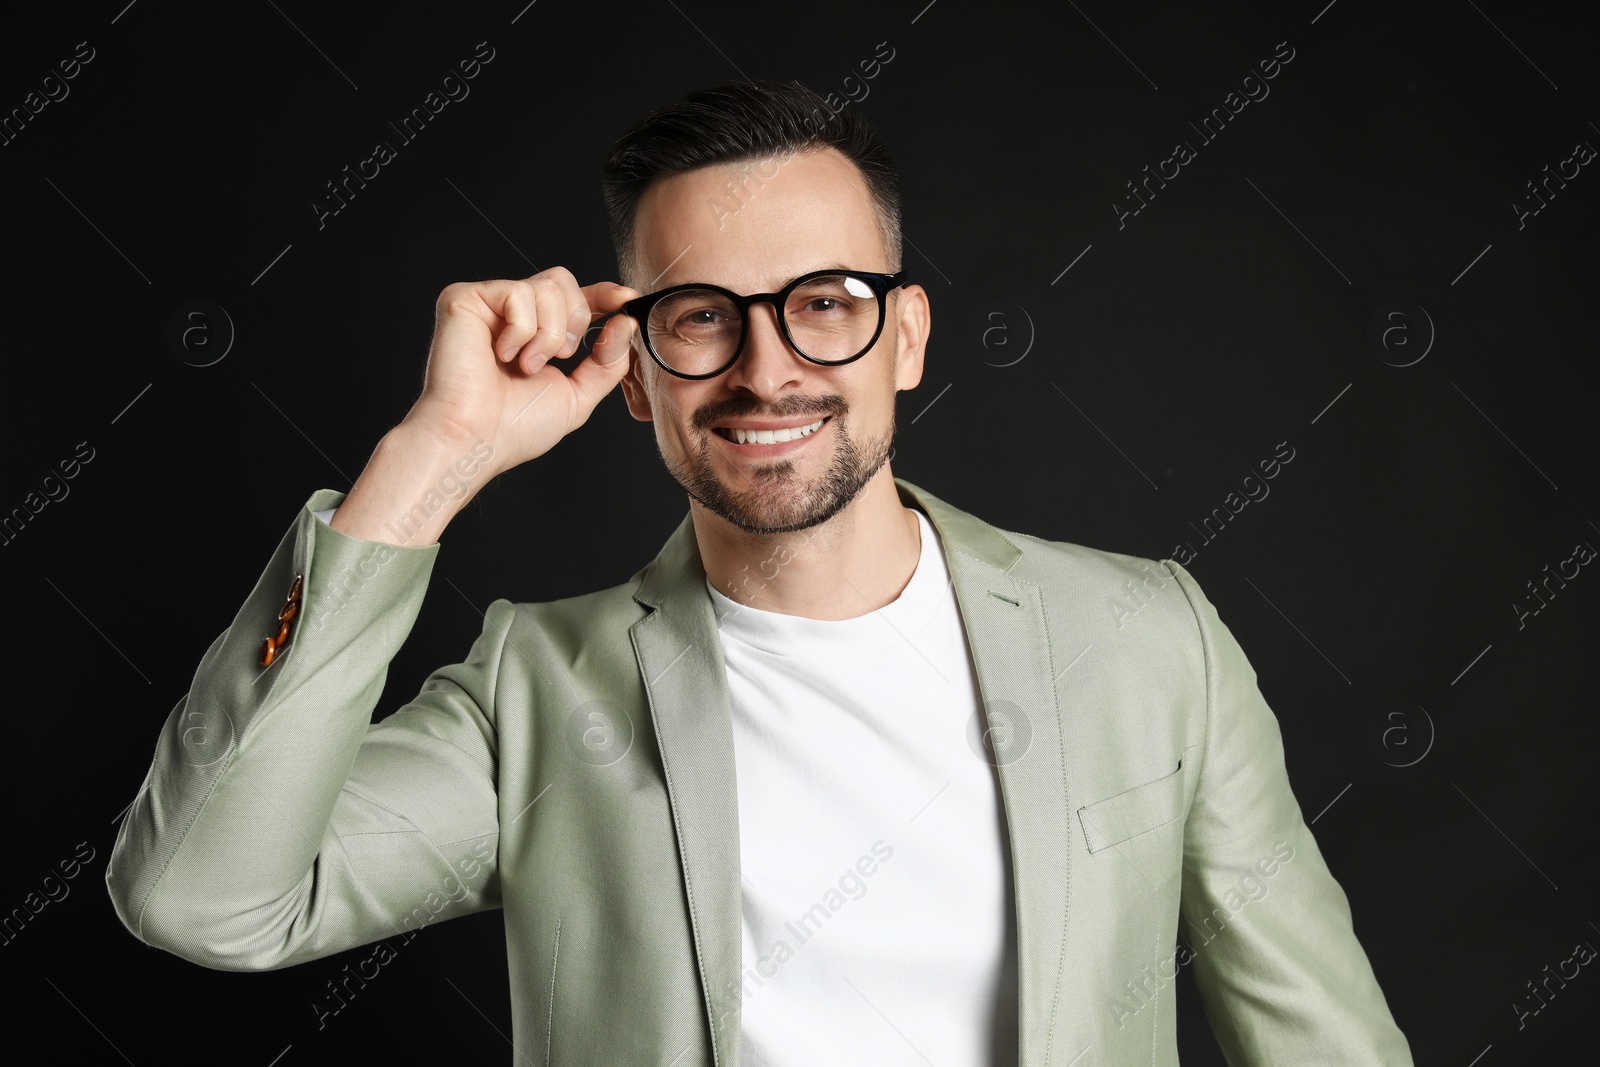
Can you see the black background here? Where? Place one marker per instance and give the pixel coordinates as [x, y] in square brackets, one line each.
[1112, 404]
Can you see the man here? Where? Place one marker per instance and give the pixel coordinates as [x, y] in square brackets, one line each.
[843, 775]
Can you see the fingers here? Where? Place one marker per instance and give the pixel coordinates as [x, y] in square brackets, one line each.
[552, 313]
[609, 296]
[539, 316]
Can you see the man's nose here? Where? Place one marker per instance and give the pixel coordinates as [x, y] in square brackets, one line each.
[768, 362]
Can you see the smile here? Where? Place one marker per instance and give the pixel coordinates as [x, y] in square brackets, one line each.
[741, 436]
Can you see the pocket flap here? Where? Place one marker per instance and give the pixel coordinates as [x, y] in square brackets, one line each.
[1133, 812]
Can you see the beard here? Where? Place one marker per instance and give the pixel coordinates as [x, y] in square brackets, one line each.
[781, 501]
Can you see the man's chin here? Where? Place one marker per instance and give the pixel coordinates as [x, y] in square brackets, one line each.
[777, 509]
[781, 501]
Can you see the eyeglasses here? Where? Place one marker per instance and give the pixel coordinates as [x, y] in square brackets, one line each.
[831, 317]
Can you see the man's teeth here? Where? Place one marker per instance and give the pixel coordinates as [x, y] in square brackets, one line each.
[772, 437]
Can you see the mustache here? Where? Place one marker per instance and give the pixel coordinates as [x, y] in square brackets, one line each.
[788, 407]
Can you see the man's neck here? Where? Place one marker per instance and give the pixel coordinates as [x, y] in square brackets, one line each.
[853, 564]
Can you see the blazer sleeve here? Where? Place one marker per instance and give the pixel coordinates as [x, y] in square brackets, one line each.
[277, 823]
[1269, 930]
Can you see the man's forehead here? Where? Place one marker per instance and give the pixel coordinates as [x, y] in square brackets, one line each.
[756, 224]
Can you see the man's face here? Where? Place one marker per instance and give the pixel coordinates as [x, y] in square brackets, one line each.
[815, 213]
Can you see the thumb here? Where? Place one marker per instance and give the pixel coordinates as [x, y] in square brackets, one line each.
[604, 367]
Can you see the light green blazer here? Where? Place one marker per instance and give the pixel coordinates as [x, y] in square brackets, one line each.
[577, 770]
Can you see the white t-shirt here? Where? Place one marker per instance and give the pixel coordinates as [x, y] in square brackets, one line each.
[878, 918]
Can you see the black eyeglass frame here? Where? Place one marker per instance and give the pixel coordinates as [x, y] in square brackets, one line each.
[881, 284]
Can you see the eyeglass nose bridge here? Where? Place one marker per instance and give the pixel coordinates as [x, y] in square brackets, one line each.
[744, 304]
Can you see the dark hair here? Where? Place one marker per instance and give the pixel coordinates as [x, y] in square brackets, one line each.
[734, 123]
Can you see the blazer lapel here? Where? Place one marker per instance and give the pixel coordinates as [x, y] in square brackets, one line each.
[1016, 667]
[680, 660]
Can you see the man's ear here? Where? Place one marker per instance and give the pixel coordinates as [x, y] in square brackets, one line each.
[913, 319]
[633, 388]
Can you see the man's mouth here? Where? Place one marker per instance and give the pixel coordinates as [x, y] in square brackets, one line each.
[759, 435]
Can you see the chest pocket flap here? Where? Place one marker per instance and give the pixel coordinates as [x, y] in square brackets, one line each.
[1133, 812]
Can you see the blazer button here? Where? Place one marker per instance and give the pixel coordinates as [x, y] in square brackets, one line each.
[286, 614]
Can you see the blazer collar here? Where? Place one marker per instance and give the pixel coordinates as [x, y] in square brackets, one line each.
[677, 570]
